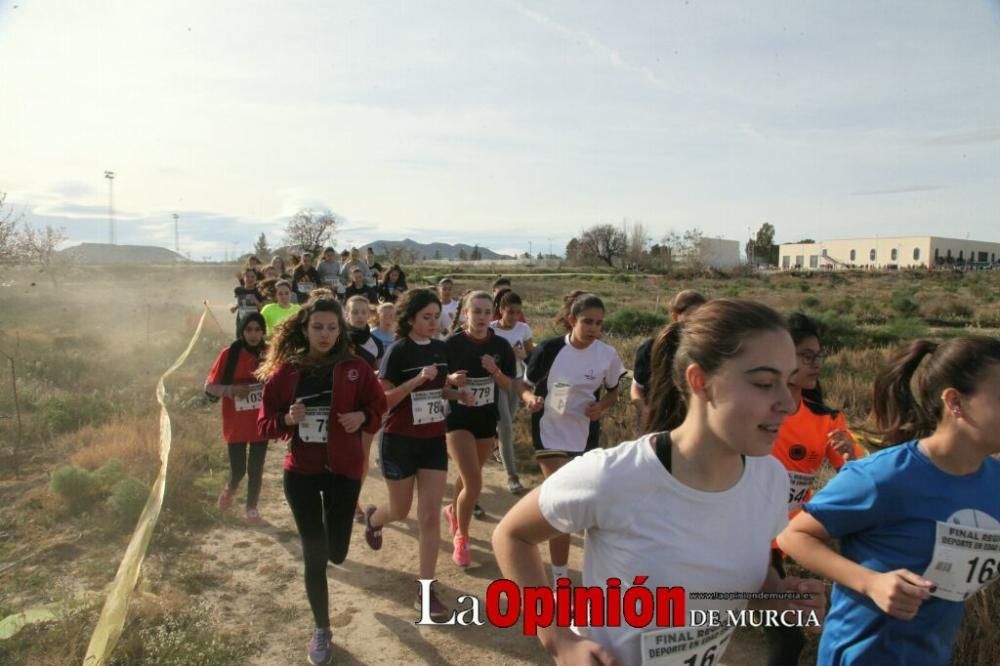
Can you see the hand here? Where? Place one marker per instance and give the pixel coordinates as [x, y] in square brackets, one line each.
[240, 390]
[489, 364]
[467, 398]
[534, 403]
[519, 352]
[457, 378]
[574, 650]
[816, 603]
[351, 421]
[296, 413]
[234, 308]
[842, 443]
[594, 410]
[899, 593]
[427, 374]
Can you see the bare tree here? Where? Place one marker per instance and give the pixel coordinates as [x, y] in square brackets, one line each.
[685, 248]
[310, 230]
[8, 232]
[38, 246]
[638, 240]
[603, 241]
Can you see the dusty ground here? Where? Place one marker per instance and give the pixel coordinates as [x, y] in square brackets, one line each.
[258, 588]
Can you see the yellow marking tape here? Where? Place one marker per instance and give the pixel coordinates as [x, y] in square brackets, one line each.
[109, 625]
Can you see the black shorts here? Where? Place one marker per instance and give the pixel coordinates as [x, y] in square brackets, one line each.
[402, 456]
[482, 426]
[542, 452]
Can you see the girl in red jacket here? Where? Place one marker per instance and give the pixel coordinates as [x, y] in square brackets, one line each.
[232, 379]
[310, 355]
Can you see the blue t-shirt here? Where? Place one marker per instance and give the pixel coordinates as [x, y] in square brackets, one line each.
[884, 509]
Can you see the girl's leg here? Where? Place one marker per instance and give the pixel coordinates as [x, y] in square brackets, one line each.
[304, 495]
[462, 450]
[339, 500]
[400, 500]
[558, 546]
[430, 491]
[255, 472]
[237, 463]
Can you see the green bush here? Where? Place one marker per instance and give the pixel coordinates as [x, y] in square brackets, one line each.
[60, 415]
[804, 286]
[127, 499]
[904, 306]
[110, 473]
[810, 302]
[839, 332]
[633, 321]
[898, 331]
[78, 487]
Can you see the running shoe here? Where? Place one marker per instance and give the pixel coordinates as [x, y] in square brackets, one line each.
[320, 647]
[439, 612]
[225, 499]
[461, 555]
[253, 516]
[514, 486]
[451, 519]
[373, 535]
[477, 512]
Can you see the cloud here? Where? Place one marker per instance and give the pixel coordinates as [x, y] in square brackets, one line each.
[898, 190]
[980, 135]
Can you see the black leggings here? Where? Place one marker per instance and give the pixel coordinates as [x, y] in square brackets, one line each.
[785, 643]
[323, 507]
[239, 463]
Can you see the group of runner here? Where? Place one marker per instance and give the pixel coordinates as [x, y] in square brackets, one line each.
[731, 434]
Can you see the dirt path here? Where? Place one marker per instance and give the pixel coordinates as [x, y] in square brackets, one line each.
[257, 588]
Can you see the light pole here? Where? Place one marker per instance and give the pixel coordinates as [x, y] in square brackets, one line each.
[177, 237]
[110, 175]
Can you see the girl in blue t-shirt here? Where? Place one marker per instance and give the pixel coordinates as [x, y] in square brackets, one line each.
[918, 523]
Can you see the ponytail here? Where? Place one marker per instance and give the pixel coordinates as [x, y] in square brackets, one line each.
[667, 404]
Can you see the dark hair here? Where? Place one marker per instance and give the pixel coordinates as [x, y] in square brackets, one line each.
[506, 298]
[573, 304]
[445, 280]
[410, 303]
[290, 343]
[907, 403]
[501, 282]
[802, 327]
[709, 337]
[684, 300]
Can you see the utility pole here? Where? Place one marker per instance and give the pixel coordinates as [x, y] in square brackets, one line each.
[110, 175]
[177, 236]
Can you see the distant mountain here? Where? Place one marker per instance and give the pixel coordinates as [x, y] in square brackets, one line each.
[434, 250]
[103, 253]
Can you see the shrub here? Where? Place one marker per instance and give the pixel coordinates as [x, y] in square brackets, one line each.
[61, 415]
[839, 332]
[78, 487]
[810, 302]
[904, 305]
[127, 499]
[633, 321]
[110, 473]
[804, 286]
[947, 308]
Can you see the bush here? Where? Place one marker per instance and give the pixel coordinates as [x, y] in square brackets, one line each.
[128, 497]
[947, 308]
[904, 305]
[77, 486]
[61, 415]
[110, 473]
[810, 302]
[899, 330]
[633, 321]
[804, 286]
[839, 332]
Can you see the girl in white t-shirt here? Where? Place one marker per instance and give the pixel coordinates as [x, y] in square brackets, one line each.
[694, 504]
[567, 375]
[518, 334]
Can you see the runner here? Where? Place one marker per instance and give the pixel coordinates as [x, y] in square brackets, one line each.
[812, 434]
[394, 284]
[484, 364]
[500, 286]
[355, 263]
[385, 326]
[568, 373]
[518, 334]
[683, 304]
[413, 453]
[305, 278]
[357, 287]
[694, 504]
[279, 263]
[310, 355]
[282, 308]
[371, 349]
[232, 379]
[449, 306]
[248, 298]
[271, 273]
[329, 270]
[918, 523]
[374, 268]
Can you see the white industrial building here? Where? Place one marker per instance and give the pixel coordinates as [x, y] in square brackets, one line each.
[889, 252]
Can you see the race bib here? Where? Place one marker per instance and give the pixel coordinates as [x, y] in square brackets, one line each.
[685, 646]
[332, 282]
[966, 559]
[799, 484]
[559, 398]
[252, 400]
[483, 390]
[313, 428]
[247, 309]
[427, 406]
[306, 287]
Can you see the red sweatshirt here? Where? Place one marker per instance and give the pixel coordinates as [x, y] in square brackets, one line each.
[355, 389]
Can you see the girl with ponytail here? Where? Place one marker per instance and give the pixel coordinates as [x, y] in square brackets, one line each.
[918, 522]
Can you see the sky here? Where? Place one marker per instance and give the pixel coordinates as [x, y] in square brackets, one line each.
[508, 123]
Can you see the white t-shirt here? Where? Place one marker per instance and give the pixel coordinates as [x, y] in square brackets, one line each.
[573, 379]
[641, 521]
[521, 333]
[447, 317]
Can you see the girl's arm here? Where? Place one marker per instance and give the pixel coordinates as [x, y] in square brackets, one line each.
[396, 394]
[272, 421]
[515, 544]
[595, 410]
[898, 593]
